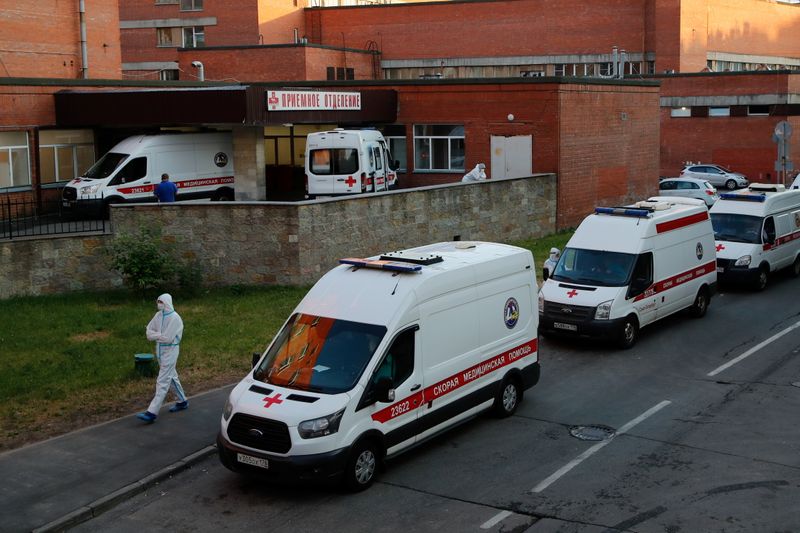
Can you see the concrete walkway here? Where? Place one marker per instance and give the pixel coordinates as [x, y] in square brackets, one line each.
[51, 485]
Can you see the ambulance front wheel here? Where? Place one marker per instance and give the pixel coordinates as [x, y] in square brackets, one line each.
[796, 267]
[362, 467]
[508, 398]
[629, 333]
[762, 278]
[224, 195]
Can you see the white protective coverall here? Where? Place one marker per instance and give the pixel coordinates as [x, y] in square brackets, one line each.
[166, 330]
[476, 174]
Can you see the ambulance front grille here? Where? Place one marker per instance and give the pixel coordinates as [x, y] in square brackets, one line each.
[566, 312]
[70, 193]
[259, 433]
[725, 263]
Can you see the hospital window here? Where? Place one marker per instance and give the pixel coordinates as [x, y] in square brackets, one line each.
[191, 5]
[168, 75]
[606, 69]
[680, 112]
[719, 111]
[757, 110]
[65, 154]
[194, 37]
[395, 135]
[439, 147]
[14, 160]
[340, 73]
[560, 69]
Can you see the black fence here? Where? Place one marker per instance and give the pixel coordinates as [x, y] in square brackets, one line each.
[30, 218]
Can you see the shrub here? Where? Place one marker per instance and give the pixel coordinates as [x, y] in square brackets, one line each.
[144, 260]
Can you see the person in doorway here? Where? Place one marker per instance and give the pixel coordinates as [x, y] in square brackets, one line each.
[166, 330]
[476, 174]
[166, 190]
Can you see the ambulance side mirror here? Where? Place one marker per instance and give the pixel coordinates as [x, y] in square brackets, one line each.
[384, 391]
[545, 274]
[256, 357]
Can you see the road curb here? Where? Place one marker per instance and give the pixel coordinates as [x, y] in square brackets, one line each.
[109, 501]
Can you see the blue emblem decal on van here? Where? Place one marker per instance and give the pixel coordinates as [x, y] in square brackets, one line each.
[699, 250]
[221, 159]
[511, 314]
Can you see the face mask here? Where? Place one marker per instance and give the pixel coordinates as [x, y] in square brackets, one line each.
[160, 306]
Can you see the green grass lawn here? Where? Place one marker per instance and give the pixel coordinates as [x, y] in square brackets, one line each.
[68, 360]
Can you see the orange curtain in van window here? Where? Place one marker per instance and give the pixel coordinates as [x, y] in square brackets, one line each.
[295, 362]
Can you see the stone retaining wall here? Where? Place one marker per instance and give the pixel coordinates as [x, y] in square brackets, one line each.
[287, 243]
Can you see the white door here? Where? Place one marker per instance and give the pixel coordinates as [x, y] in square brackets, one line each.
[511, 156]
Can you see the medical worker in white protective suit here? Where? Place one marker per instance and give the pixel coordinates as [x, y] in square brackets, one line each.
[476, 174]
[166, 330]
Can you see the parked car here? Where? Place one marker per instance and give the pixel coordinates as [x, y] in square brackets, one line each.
[716, 175]
[689, 188]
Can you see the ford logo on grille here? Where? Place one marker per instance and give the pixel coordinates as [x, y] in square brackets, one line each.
[566, 310]
[253, 432]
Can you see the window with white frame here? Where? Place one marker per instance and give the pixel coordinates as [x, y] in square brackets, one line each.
[606, 69]
[634, 68]
[64, 154]
[560, 69]
[719, 111]
[395, 135]
[680, 112]
[191, 5]
[589, 69]
[15, 168]
[439, 147]
[194, 37]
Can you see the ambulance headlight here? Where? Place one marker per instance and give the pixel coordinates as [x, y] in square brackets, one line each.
[92, 189]
[228, 410]
[320, 427]
[743, 261]
[603, 310]
[541, 302]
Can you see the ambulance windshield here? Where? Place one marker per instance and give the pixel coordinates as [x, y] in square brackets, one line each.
[106, 166]
[736, 228]
[318, 354]
[594, 267]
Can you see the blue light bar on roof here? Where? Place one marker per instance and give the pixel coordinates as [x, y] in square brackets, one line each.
[381, 265]
[622, 211]
[745, 197]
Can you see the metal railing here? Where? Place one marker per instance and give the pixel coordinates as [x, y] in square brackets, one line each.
[31, 218]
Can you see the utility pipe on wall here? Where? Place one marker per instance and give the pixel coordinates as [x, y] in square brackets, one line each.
[84, 52]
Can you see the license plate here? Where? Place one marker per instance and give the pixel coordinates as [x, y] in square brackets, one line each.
[568, 327]
[720, 269]
[255, 461]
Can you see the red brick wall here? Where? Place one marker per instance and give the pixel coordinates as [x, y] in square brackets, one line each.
[742, 143]
[608, 148]
[284, 63]
[277, 20]
[41, 39]
[481, 29]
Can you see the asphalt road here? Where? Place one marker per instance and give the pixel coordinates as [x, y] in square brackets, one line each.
[699, 447]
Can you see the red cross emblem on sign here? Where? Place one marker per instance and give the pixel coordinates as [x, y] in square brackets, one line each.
[720, 247]
[572, 293]
[350, 181]
[269, 401]
[272, 100]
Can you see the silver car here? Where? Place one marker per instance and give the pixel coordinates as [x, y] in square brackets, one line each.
[688, 188]
[716, 175]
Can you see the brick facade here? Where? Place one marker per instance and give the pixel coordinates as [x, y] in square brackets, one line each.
[42, 39]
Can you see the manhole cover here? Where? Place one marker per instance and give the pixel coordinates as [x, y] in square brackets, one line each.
[593, 432]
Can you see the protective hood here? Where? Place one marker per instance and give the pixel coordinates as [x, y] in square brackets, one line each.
[167, 300]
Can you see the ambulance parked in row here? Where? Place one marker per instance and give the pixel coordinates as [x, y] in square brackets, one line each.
[200, 164]
[382, 354]
[757, 232]
[626, 267]
[340, 162]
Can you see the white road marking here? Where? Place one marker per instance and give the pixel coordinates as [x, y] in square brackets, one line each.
[496, 519]
[753, 350]
[597, 447]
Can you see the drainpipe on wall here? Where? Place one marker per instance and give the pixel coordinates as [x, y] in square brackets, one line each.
[84, 53]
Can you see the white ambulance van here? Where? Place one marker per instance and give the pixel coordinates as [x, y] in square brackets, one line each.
[626, 267]
[340, 162]
[200, 164]
[382, 354]
[757, 232]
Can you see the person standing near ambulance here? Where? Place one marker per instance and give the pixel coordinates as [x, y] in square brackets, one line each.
[166, 330]
[166, 190]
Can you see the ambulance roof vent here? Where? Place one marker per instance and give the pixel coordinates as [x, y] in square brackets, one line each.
[411, 257]
[394, 266]
[624, 211]
[653, 205]
[767, 187]
[464, 245]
